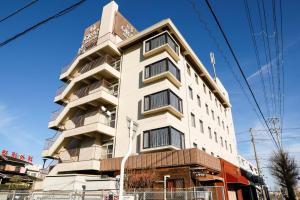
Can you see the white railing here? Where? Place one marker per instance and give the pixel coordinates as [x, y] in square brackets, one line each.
[50, 141]
[84, 154]
[104, 38]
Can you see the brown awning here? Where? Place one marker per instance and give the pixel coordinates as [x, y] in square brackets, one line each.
[185, 157]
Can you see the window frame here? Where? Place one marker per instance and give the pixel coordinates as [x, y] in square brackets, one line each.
[167, 60]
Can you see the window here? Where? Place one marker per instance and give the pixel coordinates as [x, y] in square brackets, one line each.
[230, 148]
[162, 98]
[195, 145]
[160, 67]
[225, 112]
[216, 137]
[213, 114]
[221, 140]
[227, 130]
[220, 107]
[209, 132]
[188, 68]
[212, 153]
[203, 149]
[198, 100]
[204, 88]
[193, 121]
[160, 40]
[201, 126]
[163, 137]
[226, 145]
[216, 101]
[196, 78]
[207, 110]
[191, 92]
[219, 121]
[210, 97]
[223, 125]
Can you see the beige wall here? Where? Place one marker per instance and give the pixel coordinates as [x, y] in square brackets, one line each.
[133, 90]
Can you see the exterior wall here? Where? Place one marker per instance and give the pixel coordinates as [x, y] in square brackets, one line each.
[133, 90]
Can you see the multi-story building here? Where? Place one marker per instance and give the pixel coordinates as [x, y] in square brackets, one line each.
[152, 76]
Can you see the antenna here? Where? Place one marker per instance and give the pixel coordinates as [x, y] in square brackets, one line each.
[213, 62]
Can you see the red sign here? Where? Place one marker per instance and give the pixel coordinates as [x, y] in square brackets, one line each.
[17, 156]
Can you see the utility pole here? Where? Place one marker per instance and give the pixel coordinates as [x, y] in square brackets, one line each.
[274, 123]
[257, 163]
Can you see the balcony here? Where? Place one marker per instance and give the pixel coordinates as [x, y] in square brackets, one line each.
[160, 43]
[163, 101]
[105, 45]
[78, 159]
[85, 124]
[91, 122]
[104, 67]
[98, 93]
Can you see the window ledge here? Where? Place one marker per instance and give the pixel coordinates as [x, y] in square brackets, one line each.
[167, 147]
[167, 108]
[165, 47]
[168, 75]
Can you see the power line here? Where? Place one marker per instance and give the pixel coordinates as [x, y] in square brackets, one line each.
[59, 14]
[213, 38]
[19, 10]
[241, 70]
[250, 24]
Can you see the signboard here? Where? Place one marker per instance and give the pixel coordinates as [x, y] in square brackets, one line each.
[122, 27]
[14, 154]
[90, 37]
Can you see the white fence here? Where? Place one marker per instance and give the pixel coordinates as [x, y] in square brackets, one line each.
[197, 193]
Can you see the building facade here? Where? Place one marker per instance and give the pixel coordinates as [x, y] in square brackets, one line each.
[154, 78]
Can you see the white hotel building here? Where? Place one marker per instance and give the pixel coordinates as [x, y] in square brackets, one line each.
[152, 76]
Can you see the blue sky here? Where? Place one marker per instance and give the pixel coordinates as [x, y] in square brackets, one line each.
[30, 65]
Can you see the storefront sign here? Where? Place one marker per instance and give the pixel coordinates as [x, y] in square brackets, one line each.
[17, 156]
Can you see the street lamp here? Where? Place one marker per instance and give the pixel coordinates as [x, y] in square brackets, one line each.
[165, 186]
[132, 126]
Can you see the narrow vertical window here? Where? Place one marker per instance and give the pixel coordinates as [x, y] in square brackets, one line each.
[204, 88]
[191, 92]
[230, 148]
[227, 130]
[198, 100]
[196, 78]
[219, 123]
[216, 101]
[216, 137]
[209, 132]
[221, 140]
[223, 125]
[188, 68]
[207, 110]
[226, 145]
[201, 126]
[195, 145]
[213, 114]
[203, 149]
[193, 121]
[210, 97]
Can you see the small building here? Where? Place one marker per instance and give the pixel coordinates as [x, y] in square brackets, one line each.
[13, 171]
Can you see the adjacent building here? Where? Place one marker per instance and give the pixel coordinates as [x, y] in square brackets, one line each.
[153, 77]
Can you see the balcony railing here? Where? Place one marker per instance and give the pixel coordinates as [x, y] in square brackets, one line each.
[50, 141]
[84, 154]
[89, 118]
[102, 85]
[102, 39]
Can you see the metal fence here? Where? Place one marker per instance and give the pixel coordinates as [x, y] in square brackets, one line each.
[197, 193]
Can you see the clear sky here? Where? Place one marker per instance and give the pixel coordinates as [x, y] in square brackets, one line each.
[30, 66]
